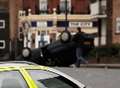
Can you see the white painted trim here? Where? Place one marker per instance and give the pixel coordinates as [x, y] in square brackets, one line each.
[3, 22]
[2, 41]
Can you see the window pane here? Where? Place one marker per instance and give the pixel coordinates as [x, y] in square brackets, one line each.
[2, 44]
[2, 24]
[46, 79]
[43, 5]
[12, 79]
[117, 25]
[63, 7]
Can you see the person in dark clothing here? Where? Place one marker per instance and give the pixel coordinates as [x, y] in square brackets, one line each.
[79, 39]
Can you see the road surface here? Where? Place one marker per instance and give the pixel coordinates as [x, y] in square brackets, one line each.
[94, 77]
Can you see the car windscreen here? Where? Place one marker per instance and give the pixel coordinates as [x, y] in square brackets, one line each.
[12, 79]
[47, 79]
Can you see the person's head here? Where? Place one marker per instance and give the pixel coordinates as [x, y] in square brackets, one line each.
[79, 29]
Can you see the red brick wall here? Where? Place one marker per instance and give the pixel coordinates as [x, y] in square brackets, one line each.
[80, 6]
[29, 4]
[116, 13]
[52, 4]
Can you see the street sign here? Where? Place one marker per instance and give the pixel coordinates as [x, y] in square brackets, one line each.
[81, 24]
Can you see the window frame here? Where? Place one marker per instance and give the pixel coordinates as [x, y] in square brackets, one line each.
[62, 6]
[4, 44]
[42, 4]
[3, 22]
[117, 31]
[93, 1]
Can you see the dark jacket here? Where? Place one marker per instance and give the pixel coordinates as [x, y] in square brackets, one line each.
[79, 38]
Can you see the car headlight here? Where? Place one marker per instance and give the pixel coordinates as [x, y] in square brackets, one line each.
[65, 36]
[26, 52]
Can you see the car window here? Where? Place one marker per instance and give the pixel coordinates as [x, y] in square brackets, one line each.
[46, 79]
[12, 79]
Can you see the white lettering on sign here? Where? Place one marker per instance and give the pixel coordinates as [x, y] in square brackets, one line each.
[80, 24]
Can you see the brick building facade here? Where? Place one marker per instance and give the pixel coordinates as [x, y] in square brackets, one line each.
[115, 21]
[77, 6]
[8, 25]
[78, 15]
[12, 7]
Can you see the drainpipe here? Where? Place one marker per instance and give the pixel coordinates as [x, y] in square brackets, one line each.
[99, 32]
[66, 28]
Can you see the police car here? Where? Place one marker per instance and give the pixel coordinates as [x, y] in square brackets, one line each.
[22, 74]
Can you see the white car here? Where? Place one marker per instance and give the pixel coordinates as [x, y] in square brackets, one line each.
[21, 74]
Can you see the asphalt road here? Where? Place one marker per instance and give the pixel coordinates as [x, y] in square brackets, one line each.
[94, 77]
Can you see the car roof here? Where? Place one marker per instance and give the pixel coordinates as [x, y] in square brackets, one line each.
[17, 64]
[9, 65]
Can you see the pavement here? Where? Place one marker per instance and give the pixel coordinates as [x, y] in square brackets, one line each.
[112, 66]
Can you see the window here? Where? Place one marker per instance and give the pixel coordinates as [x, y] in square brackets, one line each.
[43, 6]
[62, 23]
[2, 24]
[118, 25]
[103, 7]
[41, 24]
[63, 7]
[20, 34]
[12, 79]
[46, 79]
[2, 44]
[93, 1]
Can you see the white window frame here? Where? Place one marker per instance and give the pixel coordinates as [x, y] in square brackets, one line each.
[43, 5]
[2, 41]
[117, 25]
[3, 22]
